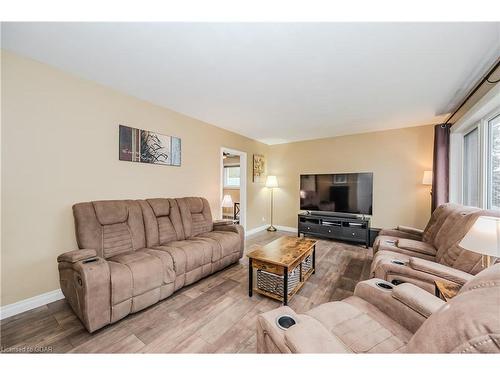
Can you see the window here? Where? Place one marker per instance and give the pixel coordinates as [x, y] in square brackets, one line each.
[470, 181]
[494, 163]
[232, 177]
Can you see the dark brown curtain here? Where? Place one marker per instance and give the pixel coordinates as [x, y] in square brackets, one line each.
[441, 165]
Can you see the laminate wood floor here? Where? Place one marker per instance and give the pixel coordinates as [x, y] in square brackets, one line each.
[215, 315]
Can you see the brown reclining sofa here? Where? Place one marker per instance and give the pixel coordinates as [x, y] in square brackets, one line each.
[404, 319]
[421, 257]
[134, 253]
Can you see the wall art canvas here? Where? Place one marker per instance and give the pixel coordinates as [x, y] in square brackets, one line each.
[149, 147]
[259, 168]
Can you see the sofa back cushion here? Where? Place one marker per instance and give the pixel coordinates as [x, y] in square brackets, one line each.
[196, 215]
[456, 227]
[162, 221]
[437, 219]
[468, 323]
[109, 227]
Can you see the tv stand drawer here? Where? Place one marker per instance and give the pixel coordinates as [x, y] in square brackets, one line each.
[354, 233]
[331, 230]
[309, 228]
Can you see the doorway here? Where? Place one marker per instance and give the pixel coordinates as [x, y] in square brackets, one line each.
[233, 185]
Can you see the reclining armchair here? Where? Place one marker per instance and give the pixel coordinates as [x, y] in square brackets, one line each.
[422, 263]
[394, 239]
[381, 318]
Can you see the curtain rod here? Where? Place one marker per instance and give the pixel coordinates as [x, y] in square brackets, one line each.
[483, 80]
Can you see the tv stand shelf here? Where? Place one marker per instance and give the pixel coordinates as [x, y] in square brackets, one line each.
[335, 227]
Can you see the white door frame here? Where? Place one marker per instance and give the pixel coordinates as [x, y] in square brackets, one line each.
[243, 183]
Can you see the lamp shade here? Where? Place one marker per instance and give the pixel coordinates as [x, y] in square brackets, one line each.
[427, 179]
[227, 201]
[271, 182]
[483, 237]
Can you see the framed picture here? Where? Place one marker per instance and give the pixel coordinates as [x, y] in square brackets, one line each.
[144, 146]
[259, 168]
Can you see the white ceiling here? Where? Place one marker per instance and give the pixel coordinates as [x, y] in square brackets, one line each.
[275, 82]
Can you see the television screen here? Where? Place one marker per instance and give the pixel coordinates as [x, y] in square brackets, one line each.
[344, 193]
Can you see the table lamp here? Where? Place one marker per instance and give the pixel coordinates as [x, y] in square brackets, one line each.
[427, 179]
[227, 201]
[483, 238]
[271, 183]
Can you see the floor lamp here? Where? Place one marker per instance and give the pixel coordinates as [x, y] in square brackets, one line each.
[271, 183]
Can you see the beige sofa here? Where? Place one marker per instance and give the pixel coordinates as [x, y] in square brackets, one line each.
[134, 253]
[405, 319]
[437, 256]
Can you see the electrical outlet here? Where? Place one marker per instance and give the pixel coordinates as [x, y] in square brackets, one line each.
[263, 219]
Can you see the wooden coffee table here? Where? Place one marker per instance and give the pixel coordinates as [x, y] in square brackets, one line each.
[278, 258]
[446, 290]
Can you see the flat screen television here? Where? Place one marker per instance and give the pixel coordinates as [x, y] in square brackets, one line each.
[349, 193]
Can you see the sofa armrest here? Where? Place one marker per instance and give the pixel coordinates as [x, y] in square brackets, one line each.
[383, 300]
[396, 233]
[310, 336]
[417, 299]
[440, 270]
[236, 228]
[410, 230]
[416, 246]
[86, 284]
[77, 255]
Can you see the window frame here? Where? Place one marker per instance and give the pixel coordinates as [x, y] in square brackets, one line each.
[489, 159]
[475, 127]
[224, 177]
[477, 117]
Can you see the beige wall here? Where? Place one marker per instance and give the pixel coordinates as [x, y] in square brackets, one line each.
[397, 159]
[60, 146]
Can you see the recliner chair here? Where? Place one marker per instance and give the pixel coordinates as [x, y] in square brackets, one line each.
[421, 263]
[426, 235]
[404, 319]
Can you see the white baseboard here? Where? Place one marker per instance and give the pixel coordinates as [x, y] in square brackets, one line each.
[30, 303]
[255, 230]
[286, 229]
[264, 227]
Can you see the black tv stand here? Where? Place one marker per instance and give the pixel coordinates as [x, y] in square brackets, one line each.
[335, 214]
[351, 229]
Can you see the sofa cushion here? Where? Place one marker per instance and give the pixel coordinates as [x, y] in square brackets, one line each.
[197, 253]
[437, 219]
[196, 215]
[110, 212]
[361, 327]
[162, 221]
[146, 271]
[109, 227]
[310, 336]
[387, 243]
[456, 226]
[416, 246]
[396, 233]
[229, 242]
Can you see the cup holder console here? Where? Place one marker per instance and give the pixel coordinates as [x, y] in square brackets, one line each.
[384, 286]
[395, 261]
[285, 321]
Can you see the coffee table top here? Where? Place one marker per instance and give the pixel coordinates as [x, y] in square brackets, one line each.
[284, 251]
